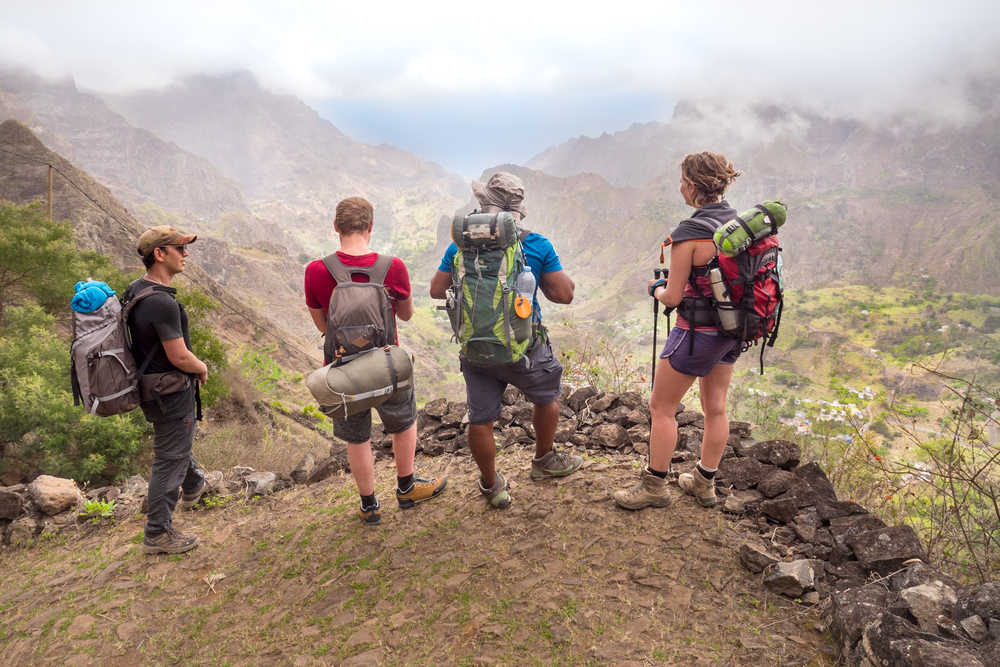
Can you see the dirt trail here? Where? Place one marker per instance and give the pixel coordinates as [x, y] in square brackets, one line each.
[561, 577]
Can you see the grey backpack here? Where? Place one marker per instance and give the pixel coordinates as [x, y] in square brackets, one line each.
[103, 370]
[360, 315]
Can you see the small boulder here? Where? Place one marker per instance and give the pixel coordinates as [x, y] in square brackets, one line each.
[813, 475]
[611, 435]
[742, 473]
[781, 453]
[604, 402]
[928, 601]
[777, 483]
[844, 528]
[790, 579]
[884, 550]
[302, 469]
[22, 531]
[636, 417]
[54, 494]
[565, 430]
[780, 509]
[854, 608]
[631, 399]
[11, 503]
[260, 483]
[975, 628]
[578, 399]
[755, 558]
[691, 418]
[327, 467]
[689, 438]
[433, 448]
[639, 434]
[437, 408]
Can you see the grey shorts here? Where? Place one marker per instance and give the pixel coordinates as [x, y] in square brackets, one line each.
[701, 358]
[484, 385]
[397, 415]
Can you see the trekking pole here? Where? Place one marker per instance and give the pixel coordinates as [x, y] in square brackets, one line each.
[656, 322]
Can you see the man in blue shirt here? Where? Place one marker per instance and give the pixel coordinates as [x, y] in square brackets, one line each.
[538, 375]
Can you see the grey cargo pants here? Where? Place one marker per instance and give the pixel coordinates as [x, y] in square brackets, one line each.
[173, 466]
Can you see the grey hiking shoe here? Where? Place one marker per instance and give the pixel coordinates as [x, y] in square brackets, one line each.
[189, 500]
[498, 496]
[694, 484]
[170, 542]
[555, 464]
[650, 491]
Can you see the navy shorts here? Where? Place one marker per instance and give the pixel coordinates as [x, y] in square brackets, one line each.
[540, 380]
[699, 360]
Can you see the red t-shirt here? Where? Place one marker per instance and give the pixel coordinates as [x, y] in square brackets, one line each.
[319, 284]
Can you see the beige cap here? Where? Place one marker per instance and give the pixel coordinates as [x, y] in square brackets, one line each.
[157, 237]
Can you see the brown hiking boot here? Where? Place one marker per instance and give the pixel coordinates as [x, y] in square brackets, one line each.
[420, 490]
[694, 484]
[650, 491]
[189, 500]
[170, 542]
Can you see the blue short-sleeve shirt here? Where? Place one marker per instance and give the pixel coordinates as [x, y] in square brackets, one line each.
[538, 253]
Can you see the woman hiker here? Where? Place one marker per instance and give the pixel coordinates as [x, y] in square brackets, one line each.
[694, 349]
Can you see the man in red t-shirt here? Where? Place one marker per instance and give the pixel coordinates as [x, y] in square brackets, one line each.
[353, 223]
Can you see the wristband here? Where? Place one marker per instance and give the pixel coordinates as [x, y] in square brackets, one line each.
[659, 283]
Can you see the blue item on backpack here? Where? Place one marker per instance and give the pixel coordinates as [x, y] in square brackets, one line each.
[90, 295]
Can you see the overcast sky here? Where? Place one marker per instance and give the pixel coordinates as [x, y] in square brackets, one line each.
[470, 85]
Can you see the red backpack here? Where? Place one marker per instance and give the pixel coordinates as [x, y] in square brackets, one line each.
[753, 280]
[754, 286]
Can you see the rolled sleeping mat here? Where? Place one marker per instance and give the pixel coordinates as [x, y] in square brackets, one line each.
[751, 225]
[484, 230]
[364, 382]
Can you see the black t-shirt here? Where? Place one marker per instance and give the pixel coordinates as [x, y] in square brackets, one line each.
[157, 318]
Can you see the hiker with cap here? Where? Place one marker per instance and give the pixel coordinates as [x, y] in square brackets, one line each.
[171, 375]
[343, 306]
[536, 371]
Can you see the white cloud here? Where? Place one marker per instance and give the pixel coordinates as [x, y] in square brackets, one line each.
[851, 55]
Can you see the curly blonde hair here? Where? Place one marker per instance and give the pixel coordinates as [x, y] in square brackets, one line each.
[710, 173]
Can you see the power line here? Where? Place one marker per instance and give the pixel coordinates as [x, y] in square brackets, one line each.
[131, 232]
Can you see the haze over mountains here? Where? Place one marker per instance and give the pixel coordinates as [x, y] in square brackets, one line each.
[873, 203]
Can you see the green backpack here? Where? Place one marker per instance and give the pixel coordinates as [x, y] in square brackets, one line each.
[480, 301]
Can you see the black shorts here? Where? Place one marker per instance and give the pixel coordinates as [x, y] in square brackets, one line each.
[538, 375]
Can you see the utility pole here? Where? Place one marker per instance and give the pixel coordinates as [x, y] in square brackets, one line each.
[50, 193]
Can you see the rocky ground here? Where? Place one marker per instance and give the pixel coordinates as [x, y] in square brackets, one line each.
[781, 571]
[294, 578]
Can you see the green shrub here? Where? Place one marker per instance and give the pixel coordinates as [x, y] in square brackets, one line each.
[206, 345]
[45, 432]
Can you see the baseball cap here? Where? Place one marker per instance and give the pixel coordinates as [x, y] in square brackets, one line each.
[161, 235]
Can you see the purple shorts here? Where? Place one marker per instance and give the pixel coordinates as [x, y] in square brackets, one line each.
[708, 350]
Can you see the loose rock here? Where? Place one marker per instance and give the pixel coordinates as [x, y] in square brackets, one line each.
[54, 494]
[790, 579]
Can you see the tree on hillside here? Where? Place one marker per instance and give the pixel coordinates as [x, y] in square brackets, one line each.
[40, 259]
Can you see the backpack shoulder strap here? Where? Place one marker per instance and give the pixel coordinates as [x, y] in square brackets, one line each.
[342, 273]
[337, 268]
[380, 269]
[134, 301]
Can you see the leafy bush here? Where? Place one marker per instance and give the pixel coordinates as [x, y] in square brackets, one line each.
[40, 428]
[206, 345]
[38, 258]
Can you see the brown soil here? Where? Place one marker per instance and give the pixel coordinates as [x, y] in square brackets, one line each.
[562, 576]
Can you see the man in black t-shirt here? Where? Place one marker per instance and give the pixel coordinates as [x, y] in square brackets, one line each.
[160, 334]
